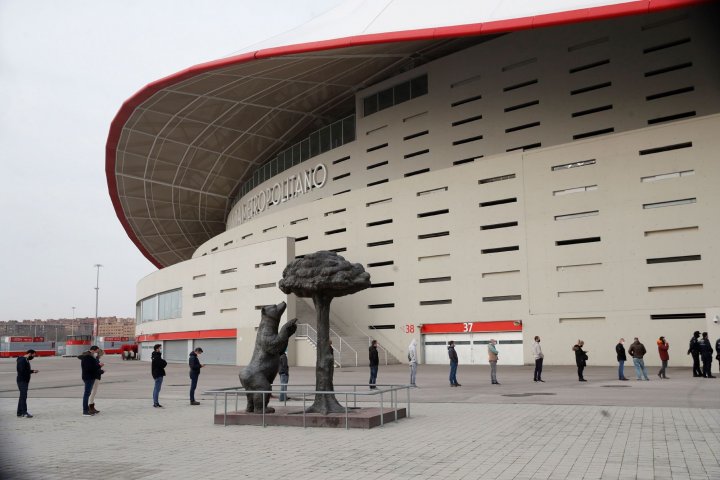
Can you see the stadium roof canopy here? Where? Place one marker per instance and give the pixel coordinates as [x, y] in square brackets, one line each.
[180, 148]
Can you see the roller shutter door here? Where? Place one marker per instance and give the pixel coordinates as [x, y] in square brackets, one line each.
[175, 350]
[218, 351]
[472, 348]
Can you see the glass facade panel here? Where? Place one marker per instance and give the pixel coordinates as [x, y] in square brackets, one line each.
[402, 92]
[148, 307]
[419, 86]
[325, 143]
[348, 128]
[370, 105]
[385, 99]
[314, 144]
[170, 304]
[336, 134]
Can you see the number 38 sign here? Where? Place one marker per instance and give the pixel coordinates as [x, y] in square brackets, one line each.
[409, 328]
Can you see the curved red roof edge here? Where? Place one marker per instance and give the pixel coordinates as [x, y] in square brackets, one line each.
[476, 29]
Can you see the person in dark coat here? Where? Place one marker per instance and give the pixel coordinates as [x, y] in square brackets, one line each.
[157, 368]
[580, 359]
[694, 350]
[374, 362]
[717, 352]
[637, 351]
[663, 347]
[453, 364]
[195, 367]
[284, 372]
[621, 358]
[90, 369]
[706, 352]
[24, 371]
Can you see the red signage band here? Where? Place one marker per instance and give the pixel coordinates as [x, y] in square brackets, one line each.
[78, 342]
[196, 334]
[473, 327]
[26, 339]
[116, 339]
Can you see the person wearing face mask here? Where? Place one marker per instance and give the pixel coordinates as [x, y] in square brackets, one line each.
[23, 382]
[91, 401]
[90, 368]
[621, 357]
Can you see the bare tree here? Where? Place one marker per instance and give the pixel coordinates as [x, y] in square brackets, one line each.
[323, 276]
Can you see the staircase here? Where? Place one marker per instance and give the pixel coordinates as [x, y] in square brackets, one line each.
[351, 350]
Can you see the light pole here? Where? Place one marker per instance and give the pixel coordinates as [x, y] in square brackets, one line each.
[72, 325]
[97, 292]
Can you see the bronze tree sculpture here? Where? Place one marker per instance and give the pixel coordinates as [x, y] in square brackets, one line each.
[323, 276]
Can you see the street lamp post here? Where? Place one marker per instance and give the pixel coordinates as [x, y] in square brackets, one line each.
[97, 292]
[72, 325]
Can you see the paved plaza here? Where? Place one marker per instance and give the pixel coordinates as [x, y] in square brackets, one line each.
[560, 429]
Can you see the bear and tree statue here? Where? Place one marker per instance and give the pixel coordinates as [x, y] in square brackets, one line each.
[321, 276]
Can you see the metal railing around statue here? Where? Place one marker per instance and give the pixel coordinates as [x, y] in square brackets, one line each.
[381, 391]
[307, 331]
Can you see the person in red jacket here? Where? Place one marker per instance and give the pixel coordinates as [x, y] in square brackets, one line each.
[663, 347]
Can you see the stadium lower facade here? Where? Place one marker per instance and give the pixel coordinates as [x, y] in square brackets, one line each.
[554, 178]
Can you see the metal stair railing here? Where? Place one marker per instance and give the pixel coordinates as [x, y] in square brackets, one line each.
[306, 330]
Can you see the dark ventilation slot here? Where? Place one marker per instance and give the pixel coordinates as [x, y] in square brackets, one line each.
[525, 147]
[664, 22]
[418, 153]
[340, 160]
[575, 241]
[669, 93]
[522, 127]
[381, 327]
[590, 111]
[502, 201]
[417, 172]
[227, 243]
[434, 279]
[676, 316]
[500, 249]
[376, 306]
[594, 133]
[666, 148]
[589, 43]
[383, 284]
[376, 147]
[265, 230]
[415, 135]
[566, 166]
[197, 314]
[335, 212]
[379, 202]
[522, 105]
[301, 239]
[299, 256]
[499, 178]
[590, 88]
[522, 63]
[246, 236]
[520, 85]
[293, 222]
[466, 160]
[433, 213]
[336, 231]
[379, 222]
[377, 182]
[671, 68]
[213, 249]
[501, 298]
[340, 193]
[589, 66]
[381, 242]
[466, 100]
[338, 250]
[665, 46]
[381, 264]
[670, 118]
[435, 302]
[197, 295]
[499, 225]
[466, 81]
[376, 165]
[467, 120]
[433, 235]
[682, 258]
[432, 190]
[341, 176]
[467, 140]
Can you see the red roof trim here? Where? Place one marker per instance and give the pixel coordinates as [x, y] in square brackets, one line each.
[196, 334]
[472, 327]
[500, 26]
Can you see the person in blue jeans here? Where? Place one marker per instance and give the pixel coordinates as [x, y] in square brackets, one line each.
[637, 351]
[453, 364]
[195, 367]
[374, 362]
[621, 358]
[90, 370]
[157, 368]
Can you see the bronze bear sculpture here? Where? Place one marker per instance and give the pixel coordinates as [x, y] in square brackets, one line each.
[260, 373]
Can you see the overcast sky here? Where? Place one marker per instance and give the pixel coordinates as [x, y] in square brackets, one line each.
[65, 69]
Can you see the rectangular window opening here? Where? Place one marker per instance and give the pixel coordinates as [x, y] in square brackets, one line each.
[265, 264]
[520, 85]
[522, 127]
[665, 148]
[425, 236]
[676, 316]
[378, 202]
[664, 231]
[572, 216]
[379, 222]
[669, 93]
[265, 230]
[466, 160]
[340, 177]
[566, 166]
[671, 68]
[445, 301]
[675, 288]
[415, 135]
[502, 298]
[520, 106]
[594, 133]
[665, 46]
[512, 248]
[382, 285]
[381, 264]
[246, 236]
[670, 118]
[501, 201]
[467, 120]
[195, 277]
[433, 257]
[264, 285]
[576, 241]
[227, 243]
[228, 270]
[379, 243]
[335, 212]
[681, 258]
[336, 231]
[432, 190]
[433, 213]
[198, 295]
[589, 43]
[434, 279]
[466, 100]
[590, 111]
[670, 203]
[293, 222]
[376, 165]
[495, 226]
[341, 192]
[667, 176]
[301, 239]
[340, 160]
[525, 147]
[590, 88]
[570, 191]
[519, 64]
[376, 147]
[416, 172]
[417, 154]
[382, 327]
[197, 314]
[228, 290]
[467, 140]
[498, 178]
[380, 305]
[589, 66]
[377, 182]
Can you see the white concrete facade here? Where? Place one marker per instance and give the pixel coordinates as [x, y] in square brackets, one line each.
[562, 178]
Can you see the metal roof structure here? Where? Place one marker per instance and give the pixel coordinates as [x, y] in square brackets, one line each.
[180, 148]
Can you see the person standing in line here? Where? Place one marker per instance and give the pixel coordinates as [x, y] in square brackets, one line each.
[580, 359]
[537, 353]
[453, 364]
[694, 350]
[717, 352]
[96, 383]
[663, 347]
[157, 369]
[412, 360]
[374, 362]
[706, 352]
[621, 358]
[24, 371]
[284, 371]
[89, 367]
[493, 359]
[195, 367]
[637, 351]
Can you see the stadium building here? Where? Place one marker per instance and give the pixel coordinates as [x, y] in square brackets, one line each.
[502, 169]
